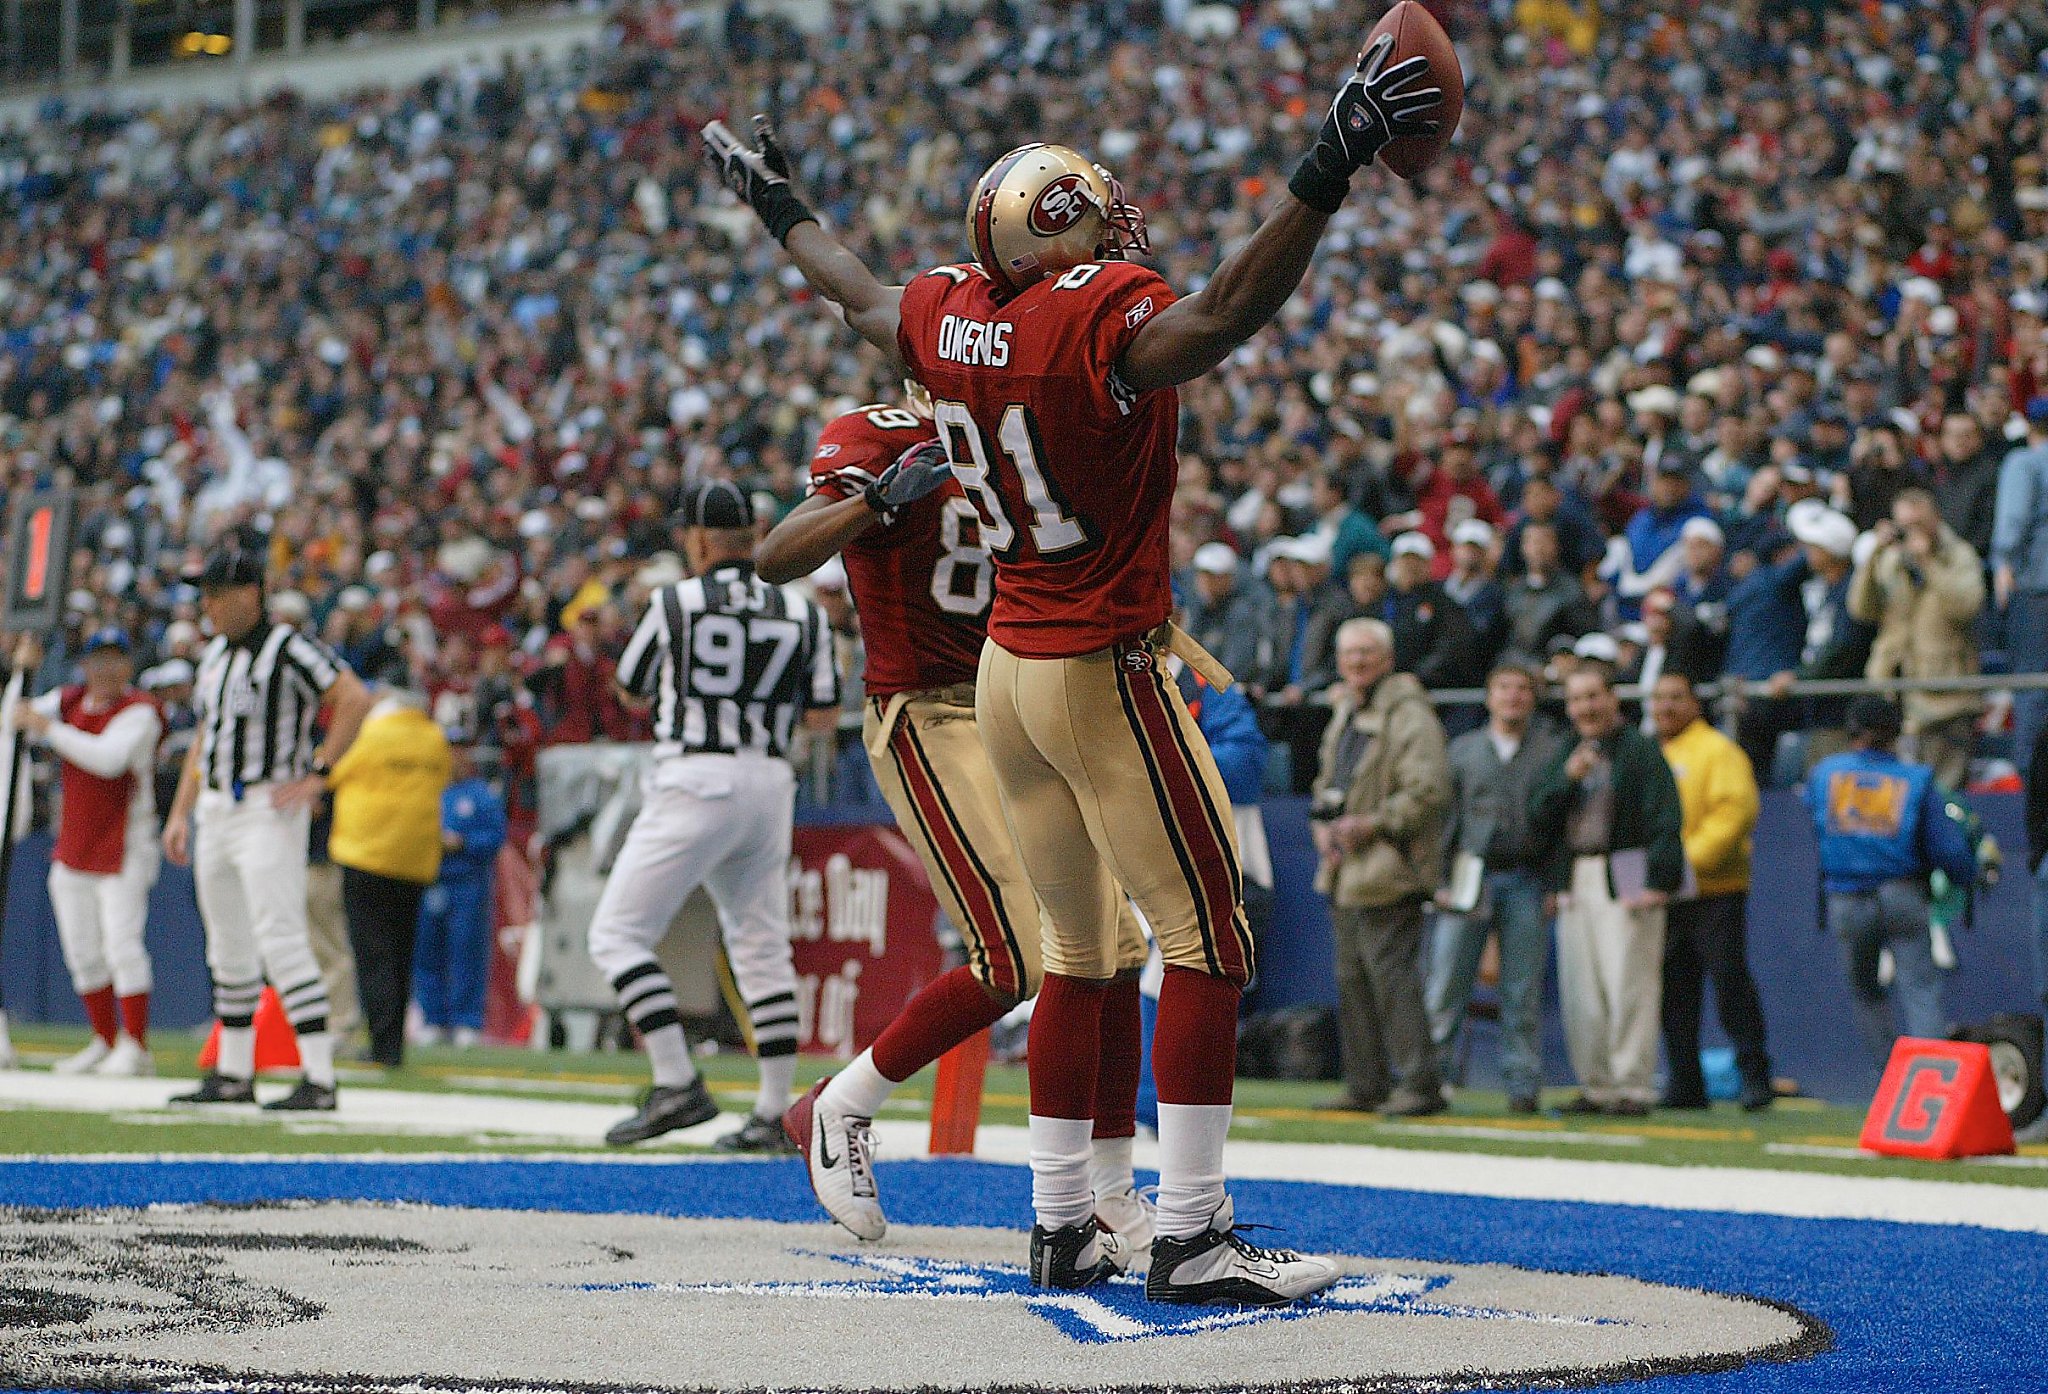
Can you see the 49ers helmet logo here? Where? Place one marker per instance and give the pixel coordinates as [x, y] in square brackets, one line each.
[1060, 205]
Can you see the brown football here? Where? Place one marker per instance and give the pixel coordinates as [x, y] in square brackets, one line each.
[1417, 34]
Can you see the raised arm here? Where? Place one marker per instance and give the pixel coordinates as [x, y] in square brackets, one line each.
[1376, 104]
[759, 174]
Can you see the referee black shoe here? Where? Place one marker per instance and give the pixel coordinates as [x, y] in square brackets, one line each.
[663, 1110]
[758, 1135]
[219, 1089]
[307, 1098]
[1218, 1267]
[1069, 1257]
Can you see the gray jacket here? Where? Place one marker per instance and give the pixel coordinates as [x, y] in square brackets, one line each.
[1490, 800]
[2019, 535]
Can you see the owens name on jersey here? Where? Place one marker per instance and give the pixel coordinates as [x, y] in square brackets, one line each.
[922, 583]
[1071, 472]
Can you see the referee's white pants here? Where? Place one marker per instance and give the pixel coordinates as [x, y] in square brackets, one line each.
[100, 920]
[717, 821]
[250, 872]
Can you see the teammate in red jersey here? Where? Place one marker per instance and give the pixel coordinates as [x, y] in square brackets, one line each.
[882, 497]
[1052, 370]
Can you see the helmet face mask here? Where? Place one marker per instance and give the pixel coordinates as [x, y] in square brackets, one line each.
[1043, 208]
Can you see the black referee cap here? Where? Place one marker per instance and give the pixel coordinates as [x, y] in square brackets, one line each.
[716, 503]
[237, 561]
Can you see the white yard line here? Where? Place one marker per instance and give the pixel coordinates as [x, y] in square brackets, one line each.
[1731, 1189]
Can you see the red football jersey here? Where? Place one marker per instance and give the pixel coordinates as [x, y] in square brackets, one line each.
[1072, 472]
[922, 583]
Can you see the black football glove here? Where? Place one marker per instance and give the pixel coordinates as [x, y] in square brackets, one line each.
[1376, 105]
[770, 146]
[917, 472]
[761, 181]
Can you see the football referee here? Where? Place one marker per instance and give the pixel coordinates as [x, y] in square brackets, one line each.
[732, 664]
[249, 784]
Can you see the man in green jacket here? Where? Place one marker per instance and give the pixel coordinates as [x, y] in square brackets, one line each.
[1610, 809]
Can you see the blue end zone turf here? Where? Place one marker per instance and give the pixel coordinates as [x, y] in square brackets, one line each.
[1921, 1308]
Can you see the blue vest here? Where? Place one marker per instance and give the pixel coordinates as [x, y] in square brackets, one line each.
[1880, 819]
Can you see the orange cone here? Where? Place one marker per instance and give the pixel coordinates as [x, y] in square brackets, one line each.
[277, 1045]
[956, 1097]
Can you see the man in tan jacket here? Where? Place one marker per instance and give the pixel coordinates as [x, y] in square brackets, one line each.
[1381, 794]
[1923, 587]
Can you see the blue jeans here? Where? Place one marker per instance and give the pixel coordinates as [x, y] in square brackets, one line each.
[2026, 648]
[452, 954]
[1894, 916]
[1512, 907]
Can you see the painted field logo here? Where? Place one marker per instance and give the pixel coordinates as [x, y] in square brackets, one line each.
[369, 1298]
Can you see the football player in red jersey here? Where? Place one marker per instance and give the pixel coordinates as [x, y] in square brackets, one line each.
[882, 497]
[1051, 363]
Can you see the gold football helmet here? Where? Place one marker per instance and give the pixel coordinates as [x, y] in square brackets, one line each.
[1043, 208]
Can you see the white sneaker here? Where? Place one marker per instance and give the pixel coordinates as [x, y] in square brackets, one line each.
[428, 1036]
[1219, 1268]
[1124, 1225]
[839, 1152]
[7, 1060]
[86, 1061]
[128, 1057]
[465, 1037]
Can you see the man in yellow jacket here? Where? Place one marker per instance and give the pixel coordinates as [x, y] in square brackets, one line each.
[1708, 922]
[386, 839]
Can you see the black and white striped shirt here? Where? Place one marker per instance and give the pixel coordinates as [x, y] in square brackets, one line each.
[256, 701]
[730, 662]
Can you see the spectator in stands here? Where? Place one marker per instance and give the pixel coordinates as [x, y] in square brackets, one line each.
[451, 960]
[1922, 586]
[1878, 469]
[1648, 555]
[1473, 587]
[1378, 805]
[387, 841]
[1494, 887]
[1966, 480]
[1579, 543]
[2019, 568]
[1544, 602]
[1706, 931]
[1615, 859]
[1347, 531]
[1225, 614]
[1432, 638]
[1837, 643]
[1278, 668]
[1883, 829]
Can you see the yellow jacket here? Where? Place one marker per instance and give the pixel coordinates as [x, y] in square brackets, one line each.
[387, 798]
[1717, 793]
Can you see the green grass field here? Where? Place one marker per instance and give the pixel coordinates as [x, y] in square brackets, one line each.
[1798, 1135]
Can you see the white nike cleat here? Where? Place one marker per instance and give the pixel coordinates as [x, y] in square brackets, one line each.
[1220, 1268]
[86, 1061]
[1124, 1225]
[128, 1057]
[839, 1152]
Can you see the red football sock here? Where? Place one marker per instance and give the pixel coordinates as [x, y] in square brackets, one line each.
[1123, 1058]
[1066, 1038]
[945, 1012]
[99, 1010]
[1194, 1047]
[135, 1016]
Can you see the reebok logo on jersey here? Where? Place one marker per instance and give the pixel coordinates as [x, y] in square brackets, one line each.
[1138, 313]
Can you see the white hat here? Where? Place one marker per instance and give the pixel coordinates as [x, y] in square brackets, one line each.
[1476, 531]
[1312, 549]
[1943, 320]
[1655, 398]
[290, 607]
[1824, 528]
[2033, 198]
[1597, 647]
[1550, 288]
[1765, 358]
[830, 576]
[2027, 302]
[1414, 544]
[662, 569]
[1637, 633]
[1922, 289]
[1363, 385]
[1705, 383]
[169, 673]
[1481, 293]
[1216, 558]
[1703, 527]
[354, 599]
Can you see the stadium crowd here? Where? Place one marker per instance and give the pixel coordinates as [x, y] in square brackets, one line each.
[1719, 346]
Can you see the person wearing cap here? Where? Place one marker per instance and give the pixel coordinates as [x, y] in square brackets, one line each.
[170, 684]
[452, 953]
[1837, 643]
[1615, 858]
[245, 800]
[1922, 586]
[1884, 827]
[1770, 629]
[1647, 555]
[1377, 813]
[1432, 638]
[104, 733]
[1227, 615]
[2019, 569]
[1706, 931]
[1493, 774]
[1966, 473]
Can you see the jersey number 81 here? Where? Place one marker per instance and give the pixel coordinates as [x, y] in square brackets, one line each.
[1054, 531]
